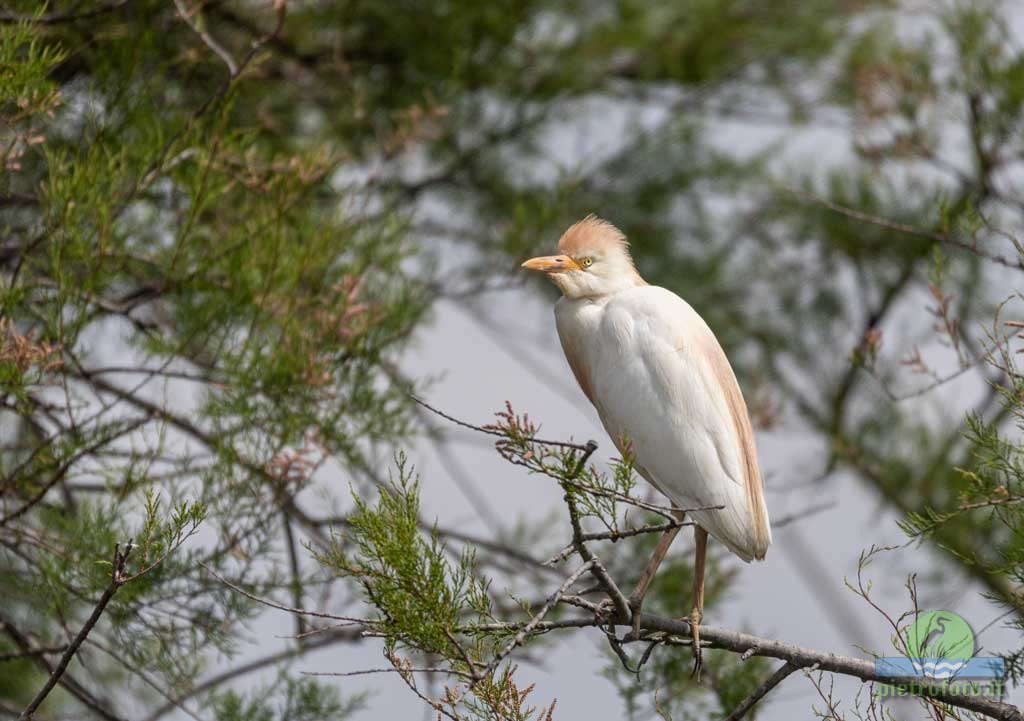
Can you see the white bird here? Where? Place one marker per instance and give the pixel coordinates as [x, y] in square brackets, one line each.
[664, 391]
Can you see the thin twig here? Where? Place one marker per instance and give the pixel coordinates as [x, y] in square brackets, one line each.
[70, 684]
[901, 227]
[366, 671]
[664, 511]
[615, 536]
[473, 673]
[761, 691]
[293, 562]
[668, 525]
[320, 629]
[533, 622]
[282, 607]
[616, 644]
[63, 469]
[401, 666]
[499, 434]
[32, 652]
[207, 39]
[783, 521]
[117, 579]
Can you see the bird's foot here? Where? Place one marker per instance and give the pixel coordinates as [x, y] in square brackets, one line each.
[606, 608]
[694, 620]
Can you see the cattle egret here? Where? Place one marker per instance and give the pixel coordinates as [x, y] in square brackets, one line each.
[665, 391]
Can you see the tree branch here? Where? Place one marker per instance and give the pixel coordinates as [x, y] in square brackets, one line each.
[748, 645]
[943, 238]
[117, 579]
[585, 448]
[58, 475]
[46, 650]
[538, 617]
[801, 657]
[191, 429]
[338, 636]
[761, 691]
[207, 39]
[598, 570]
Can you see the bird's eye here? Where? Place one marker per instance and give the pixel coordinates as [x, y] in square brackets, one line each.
[586, 262]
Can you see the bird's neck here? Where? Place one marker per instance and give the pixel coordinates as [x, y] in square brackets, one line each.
[601, 291]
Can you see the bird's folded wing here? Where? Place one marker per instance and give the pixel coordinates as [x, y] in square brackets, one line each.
[696, 394]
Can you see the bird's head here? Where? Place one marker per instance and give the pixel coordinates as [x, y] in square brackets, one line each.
[593, 261]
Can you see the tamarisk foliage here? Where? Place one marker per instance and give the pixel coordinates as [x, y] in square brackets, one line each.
[190, 326]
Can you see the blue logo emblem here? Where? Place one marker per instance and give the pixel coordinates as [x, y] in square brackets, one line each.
[941, 656]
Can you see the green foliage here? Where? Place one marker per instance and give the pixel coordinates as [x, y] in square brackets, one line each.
[987, 499]
[25, 85]
[154, 230]
[422, 595]
[287, 700]
[430, 604]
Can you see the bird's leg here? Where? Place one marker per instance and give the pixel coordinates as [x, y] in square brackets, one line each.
[636, 599]
[697, 613]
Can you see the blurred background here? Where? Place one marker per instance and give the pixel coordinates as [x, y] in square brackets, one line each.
[236, 236]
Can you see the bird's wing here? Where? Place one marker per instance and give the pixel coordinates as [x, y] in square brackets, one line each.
[723, 384]
[657, 375]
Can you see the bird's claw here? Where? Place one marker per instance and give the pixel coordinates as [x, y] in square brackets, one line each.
[694, 620]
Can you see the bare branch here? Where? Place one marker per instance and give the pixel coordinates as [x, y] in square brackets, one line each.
[934, 236]
[289, 609]
[66, 465]
[615, 535]
[42, 651]
[73, 687]
[367, 671]
[117, 579]
[597, 568]
[800, 657]
[533, 622]
[491, 432]
[761, 691]
[213, 682]
[208, 40]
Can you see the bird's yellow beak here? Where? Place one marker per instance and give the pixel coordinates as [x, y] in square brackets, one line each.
[552, 264]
